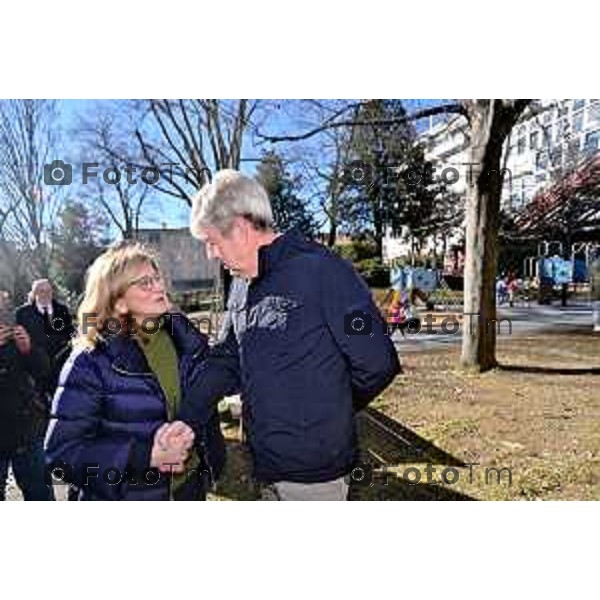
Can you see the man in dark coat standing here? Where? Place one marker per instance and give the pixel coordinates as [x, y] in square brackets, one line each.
[50, 327]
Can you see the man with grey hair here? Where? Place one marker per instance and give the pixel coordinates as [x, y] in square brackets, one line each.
[302, 342]
[50, 326]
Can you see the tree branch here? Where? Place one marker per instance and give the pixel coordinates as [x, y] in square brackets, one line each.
[454, 108]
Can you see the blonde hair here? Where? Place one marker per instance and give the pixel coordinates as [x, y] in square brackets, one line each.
[231, 194]
[107, 280]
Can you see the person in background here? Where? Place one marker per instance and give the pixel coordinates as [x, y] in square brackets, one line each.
[22, 411]
[512, 288]
[50, 327]
[501, 290]
[394, 313]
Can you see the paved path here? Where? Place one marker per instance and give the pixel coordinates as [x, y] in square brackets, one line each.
[524, 320]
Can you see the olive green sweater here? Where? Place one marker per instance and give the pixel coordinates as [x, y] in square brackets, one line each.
[162, 358]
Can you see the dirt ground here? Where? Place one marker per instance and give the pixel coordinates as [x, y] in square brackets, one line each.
[537, 417]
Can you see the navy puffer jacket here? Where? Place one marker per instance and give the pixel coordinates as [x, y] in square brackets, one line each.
[107, 409]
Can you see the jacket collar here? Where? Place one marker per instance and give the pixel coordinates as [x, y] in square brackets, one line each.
[55, 307]
[271, 254]
[126, 355]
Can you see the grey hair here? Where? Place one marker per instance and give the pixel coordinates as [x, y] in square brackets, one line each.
[231, 194]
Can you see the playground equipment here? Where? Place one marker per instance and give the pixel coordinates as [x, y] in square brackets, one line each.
[411, 283]
[407, 284]
[549, 269]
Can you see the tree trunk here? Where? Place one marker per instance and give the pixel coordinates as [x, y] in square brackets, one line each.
[331, 238]
[479, 340]
[482, 216]
[378, 238]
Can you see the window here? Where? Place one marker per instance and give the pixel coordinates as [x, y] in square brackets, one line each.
[592, 141]
[541, 161]
[547, 116]
[574, 144]
[547, 135]
[562, 109]
[534, 140]
[571, 154]
[593, 113]
[521, 131]
[578, 104]
[578, 122]
[563, 127]
[154, 238]
[521, 145]
[556, 156]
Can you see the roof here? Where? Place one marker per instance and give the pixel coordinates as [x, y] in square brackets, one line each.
[572, 203]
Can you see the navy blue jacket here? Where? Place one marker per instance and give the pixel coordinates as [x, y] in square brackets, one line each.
[293, 346]
[107, 409]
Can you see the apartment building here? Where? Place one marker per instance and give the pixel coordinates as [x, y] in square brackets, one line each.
[548, 142]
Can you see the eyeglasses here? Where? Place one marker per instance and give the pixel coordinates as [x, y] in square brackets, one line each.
[146, 282]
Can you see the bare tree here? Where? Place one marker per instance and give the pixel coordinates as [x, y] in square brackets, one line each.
[334, 201]
[108, 144]
[186, 140]
[324, 165]
[27, 208]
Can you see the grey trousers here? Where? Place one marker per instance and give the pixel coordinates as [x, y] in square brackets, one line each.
[288, 490]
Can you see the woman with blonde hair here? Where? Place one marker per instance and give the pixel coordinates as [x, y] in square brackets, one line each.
[114, 433]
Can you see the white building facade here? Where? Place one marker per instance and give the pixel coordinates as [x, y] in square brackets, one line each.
[542, 145]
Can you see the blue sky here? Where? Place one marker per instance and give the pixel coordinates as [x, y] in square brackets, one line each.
[161, 208]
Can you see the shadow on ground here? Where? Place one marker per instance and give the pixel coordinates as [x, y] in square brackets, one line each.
[386, 442]
[550, 370]
[383, 441]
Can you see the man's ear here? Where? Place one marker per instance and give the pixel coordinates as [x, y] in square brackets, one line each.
[239, 229]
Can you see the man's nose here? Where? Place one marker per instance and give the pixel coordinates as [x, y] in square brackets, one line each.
[212, 252]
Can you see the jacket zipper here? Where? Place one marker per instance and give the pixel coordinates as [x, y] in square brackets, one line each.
[200, 443]
[164, 397]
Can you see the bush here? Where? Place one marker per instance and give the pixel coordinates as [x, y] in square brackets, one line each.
[374, 272]
[356, 251]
